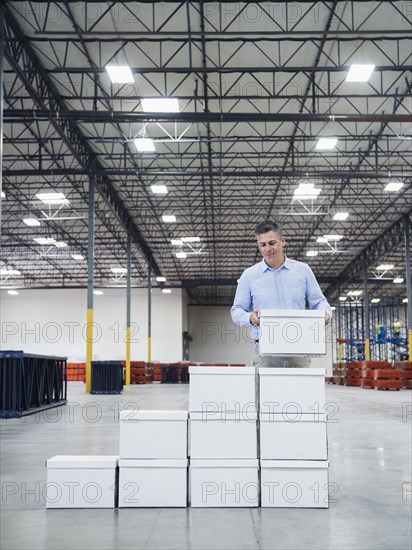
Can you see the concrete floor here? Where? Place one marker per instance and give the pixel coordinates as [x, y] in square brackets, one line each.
[370, 457]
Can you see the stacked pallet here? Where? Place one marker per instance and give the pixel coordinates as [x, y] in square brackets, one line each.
[339, 372]
[380, 375]
[76, 372]
[138, 372]
[406, 367]
[353, 373]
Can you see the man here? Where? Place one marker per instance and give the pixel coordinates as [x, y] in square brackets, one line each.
[275, 283]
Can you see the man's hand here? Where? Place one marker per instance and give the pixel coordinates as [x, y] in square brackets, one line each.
[255, 317]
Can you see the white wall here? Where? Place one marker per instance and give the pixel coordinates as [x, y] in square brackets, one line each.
[53, 322]
[216, 339]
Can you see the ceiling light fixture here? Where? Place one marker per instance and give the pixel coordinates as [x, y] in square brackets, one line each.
[160, 105]
[398, 280]
[120, 74]
[333, 237]
[166, 291]
[321, 240]
[13, 292]
[355, 293]
[159, 189]
[169, 218]
[341, 216]
[190, 239]
[375, 300]
[326, 144]
[119, 270]
[49, 241]
[306, 191]
[31, 222]
[405, 301]
[343, 298]
[181, 255]
[5, 271]
[144, 145]
[312, 253]
[385, 267]
[176, 242]
[98, 292]
[3, 195]
[52, 198]
[359, 73]
[161, 279]
[77, 256]
[394, 186]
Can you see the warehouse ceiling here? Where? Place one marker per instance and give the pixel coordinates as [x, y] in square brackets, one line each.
[257, 85]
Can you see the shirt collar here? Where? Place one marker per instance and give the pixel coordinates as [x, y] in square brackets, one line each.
[264, 266]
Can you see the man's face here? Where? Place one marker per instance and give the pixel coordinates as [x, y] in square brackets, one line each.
[271, 247]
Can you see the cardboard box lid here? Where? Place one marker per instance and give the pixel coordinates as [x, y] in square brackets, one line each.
[224, 463]
[225, 416]
[205, 370]
[308, 313]
[304, 371]
[295, 464]
[163, 415]
[153, 463]
[82, 461]
[288, 418]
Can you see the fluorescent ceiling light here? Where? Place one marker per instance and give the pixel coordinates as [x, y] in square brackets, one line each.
[326, 144]
[332, 308]
[341, 216]
[31, 222]
[181, 255]
[169, 218]
[98, 292]
[176, 242]
[13, 292]
[5, 271]
[394, 186]
[144, 145]
[160, 105]
[355, 293]
[161, 279]
[375, 300]
[321, 240]
[77, 256]
[385, 267]
[3, 195]
[312, 253]
[44, 241]
[190, 239]
[306, 191]
[405, 301]
[398, 280]
[343, 298]
[119, 74]
[159, 189]
[333, 237]
[52, 198]
[166, 291]
[119, 270]
[359, 73]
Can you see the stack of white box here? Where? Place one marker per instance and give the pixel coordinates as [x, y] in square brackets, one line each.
[153, 459]
[223, 437]
[293, 436]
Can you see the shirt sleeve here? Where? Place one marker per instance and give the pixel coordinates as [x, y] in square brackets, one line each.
[314, 294]
[240, 311]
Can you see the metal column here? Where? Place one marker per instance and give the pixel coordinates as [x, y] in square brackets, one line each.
[339, 313]
[128, 305]
[149, 313]
[408, 287]
[366, 319]
[90, 268]
[1, 100]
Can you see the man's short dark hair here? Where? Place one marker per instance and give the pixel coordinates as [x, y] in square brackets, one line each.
[265, 227]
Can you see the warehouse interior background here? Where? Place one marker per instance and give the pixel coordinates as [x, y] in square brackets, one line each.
[141, 143]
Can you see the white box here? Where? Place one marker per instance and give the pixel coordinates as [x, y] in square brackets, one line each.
[152, 483]
[294, 484]
[303, 439]
[291, 391]
[153, 434]
[223, 483]
[223, 435]
[221, 388]
[81, 481]
[292, 332]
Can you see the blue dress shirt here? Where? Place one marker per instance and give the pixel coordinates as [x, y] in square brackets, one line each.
[289, 287]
